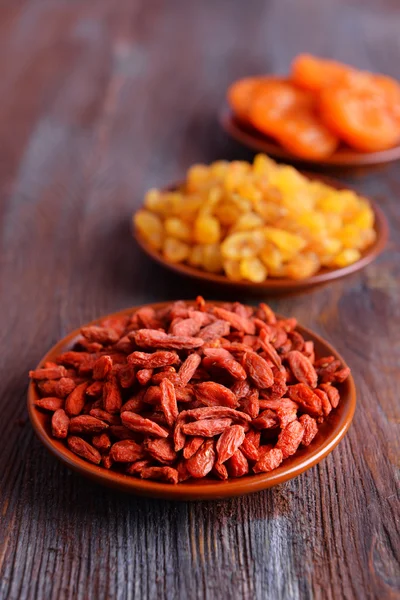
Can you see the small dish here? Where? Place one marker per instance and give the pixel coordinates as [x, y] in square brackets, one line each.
[329, 435]
[343, 157]
[273, 286]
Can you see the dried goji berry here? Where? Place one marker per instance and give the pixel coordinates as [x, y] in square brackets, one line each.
[201, 463]
[237, 322]
[267, 419]
[83, 449]
[302, 368]
[310, 429]
[59, 424]
[102, 335]
[76, 400]
[161, 450]
[140, 424]
[50, 373]
[214, 331]
[332, 392]
[168, 402]
[269, 461]
[305, 397]
[206, 427]
[215, 394]
[290, 438]
[126, 451]
[189, 367]
[86, 424]
[230, 440]
[150, 338]
[237, 465]
[192, 446]
[258, 369]
[160, 474]
[102, 367]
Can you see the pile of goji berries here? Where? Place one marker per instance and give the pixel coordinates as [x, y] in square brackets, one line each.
[189, 390]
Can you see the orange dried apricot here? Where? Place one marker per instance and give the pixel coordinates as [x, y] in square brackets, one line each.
[359, 115]
[240, 95]
[303, 134]
[312, 73]
[272, 102]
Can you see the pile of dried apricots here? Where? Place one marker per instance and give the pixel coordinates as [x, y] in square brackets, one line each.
[321, 104]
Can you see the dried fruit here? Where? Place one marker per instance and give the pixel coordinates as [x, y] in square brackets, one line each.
[168, 402]
[290, 438]
[189, 367]
[188, 405]
[144, 376]
[112, 399]
[86, 424]
[263, 220]
[225, 360]
[101, 335]
[206, 427]
[153, 360]
[102, 442]
[192, 446]
[76, 400]
[48, 373]
[126, 451]
[50, 403]
[258, 369]
[215, 330]
[269, 461]
[201, 463]
[306, 398]
[230, 440]
[267, 419]
[142, 425]
[83, 449]
[310, 429]
[158, 339]
[302, 368]
[167, 474]
[237, 465]
[215, 394]
[59, 424]
[102, 367]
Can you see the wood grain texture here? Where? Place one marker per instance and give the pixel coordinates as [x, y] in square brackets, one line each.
[99, 101]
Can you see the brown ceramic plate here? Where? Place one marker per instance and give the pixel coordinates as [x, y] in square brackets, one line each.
[276, 285]
[344, 156]
[329, 435]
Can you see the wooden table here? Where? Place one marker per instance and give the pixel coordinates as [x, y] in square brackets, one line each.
[101, 100]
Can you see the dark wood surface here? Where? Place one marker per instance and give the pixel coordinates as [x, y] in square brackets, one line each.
[100, 101]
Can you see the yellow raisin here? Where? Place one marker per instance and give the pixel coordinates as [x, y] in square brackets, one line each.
[196, 255]
[248, 221]
[253, 270]
[207, 230]
[346, 257]
[227, 213]
[271, 257]
[302, 266]
[150, 228]
[177, 228]
[212, 258]
[242, 245]
[284, 240]
[175, 251]
[232, 269]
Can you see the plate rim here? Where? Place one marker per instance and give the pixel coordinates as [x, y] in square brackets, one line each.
[209, 490]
